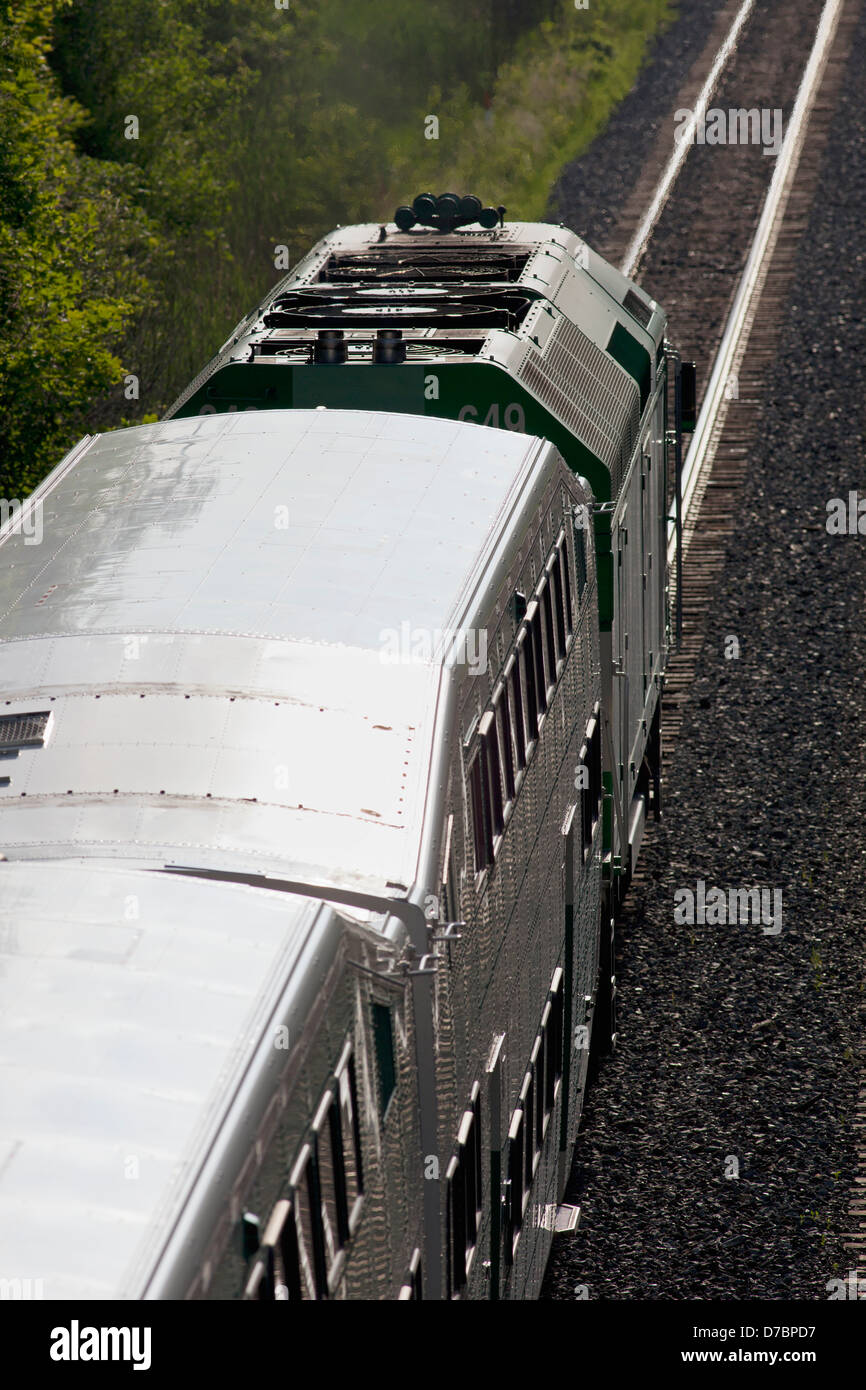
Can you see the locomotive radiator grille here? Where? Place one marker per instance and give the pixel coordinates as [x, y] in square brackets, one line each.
[593, 396]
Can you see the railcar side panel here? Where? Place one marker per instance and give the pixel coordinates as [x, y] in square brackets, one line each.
[524, 969]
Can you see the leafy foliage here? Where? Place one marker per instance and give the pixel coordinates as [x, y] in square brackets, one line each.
[70, 240]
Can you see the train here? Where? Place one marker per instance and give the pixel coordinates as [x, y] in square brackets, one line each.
[331, 724]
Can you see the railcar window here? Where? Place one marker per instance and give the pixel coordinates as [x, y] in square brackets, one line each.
[527, 1105]
[527, 664]
[595, 765]
[548, 1084]
[328, 1139]
[519, 728]
[580, 560]
[547, 604]
[464, 1179]
[383, 1040]
[351, 1134]
[532, 710]
[275, 1273]
[503, 714]
[533, 617]
[307, 1204]
[475, 1108]
[566, 585]
[555, 575]
[490, 751]
[250, 1234]
[327, 1180]
[449, 883]
[536, 1066]
[591, 793]
[555, 1039]
[479, 793]
[456, 1216]
[586, 821]
[288, 1253]
[545, 1082]
[466, 1158]
[514, 1198]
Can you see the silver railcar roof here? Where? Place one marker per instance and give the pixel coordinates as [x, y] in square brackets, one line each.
[211, 617]
[133, 1007]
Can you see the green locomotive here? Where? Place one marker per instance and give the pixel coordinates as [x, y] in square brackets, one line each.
[452, 311]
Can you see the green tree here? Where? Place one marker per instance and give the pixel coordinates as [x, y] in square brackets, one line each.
[68, 239]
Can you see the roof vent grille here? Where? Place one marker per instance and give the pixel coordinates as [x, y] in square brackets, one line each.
[23, 730]
[638, 308]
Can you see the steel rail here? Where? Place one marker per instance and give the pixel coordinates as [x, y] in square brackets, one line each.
[714, 407]
[640, 240]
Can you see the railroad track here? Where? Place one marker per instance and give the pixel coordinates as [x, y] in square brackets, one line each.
[715, 467]
[732, 330]
[739, 291]
[747, 306]
[744, 348]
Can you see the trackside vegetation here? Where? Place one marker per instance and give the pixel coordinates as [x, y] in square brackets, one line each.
[161, 164]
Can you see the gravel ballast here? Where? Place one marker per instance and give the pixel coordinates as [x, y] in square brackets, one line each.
[735, 1044]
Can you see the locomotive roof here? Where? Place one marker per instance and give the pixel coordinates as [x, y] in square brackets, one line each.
[529, 299]
[208, 684]
[134, 1010]
[538, 252]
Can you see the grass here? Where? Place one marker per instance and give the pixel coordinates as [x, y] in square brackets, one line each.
[549, 103]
